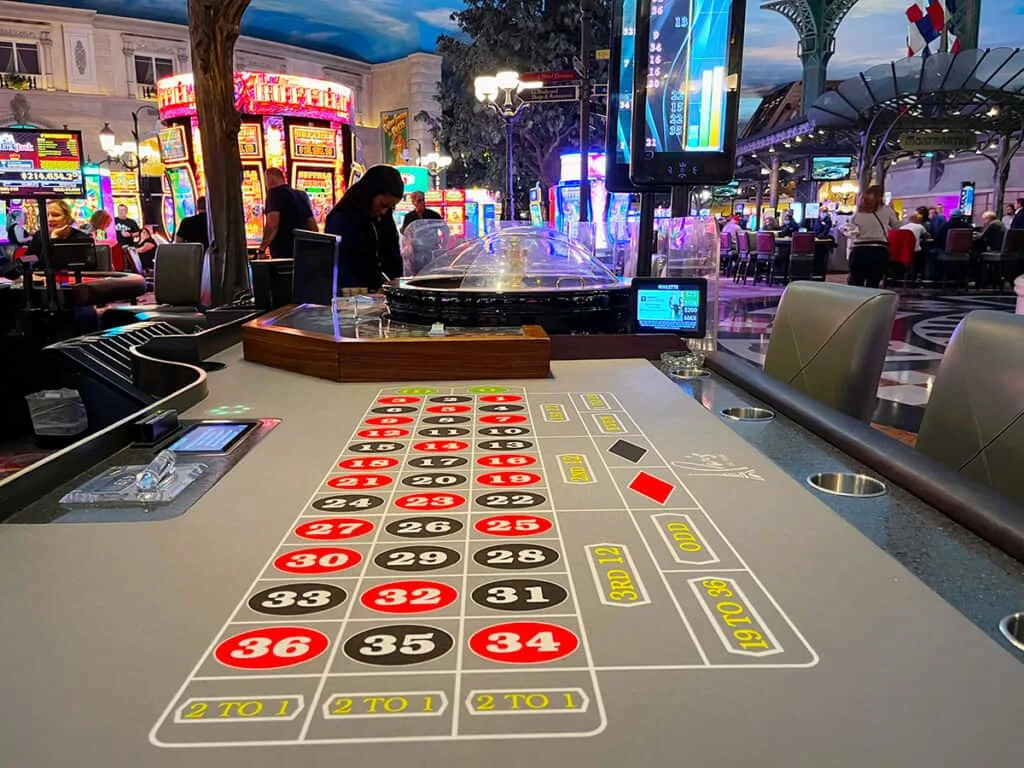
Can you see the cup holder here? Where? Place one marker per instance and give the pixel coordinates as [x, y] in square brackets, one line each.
[848, 484]
[748, 414]
[1012, 628]
[689, 373]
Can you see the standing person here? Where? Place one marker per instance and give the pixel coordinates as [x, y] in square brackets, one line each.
[869, 229]
[128, 230]
[363, 218]
[1008, 216]
[936, 221]
[420, 212]
[194, 229]
[1018, 215]
[286, 210]
[17, 235]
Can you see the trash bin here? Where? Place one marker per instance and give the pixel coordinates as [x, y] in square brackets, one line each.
[1018, 286]
[57, 413]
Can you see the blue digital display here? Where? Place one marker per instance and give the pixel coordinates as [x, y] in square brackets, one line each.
[670, 306]
[210, 438]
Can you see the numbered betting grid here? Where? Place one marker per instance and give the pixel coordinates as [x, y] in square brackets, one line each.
[435, 585]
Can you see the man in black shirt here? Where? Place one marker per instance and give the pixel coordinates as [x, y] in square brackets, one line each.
[127, 229]
[194, 229]
[286, 210]
[421, 212]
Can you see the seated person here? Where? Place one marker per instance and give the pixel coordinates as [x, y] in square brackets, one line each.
[732, 226]
[823, 226]
[146, 249]
[17, 235]
[992, 233]
[789, 225]
[62, 230]
[922, 239]
[98, 224]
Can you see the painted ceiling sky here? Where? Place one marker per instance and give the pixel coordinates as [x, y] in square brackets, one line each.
[382, 30]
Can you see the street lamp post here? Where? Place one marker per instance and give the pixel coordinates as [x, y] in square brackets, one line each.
[436, 164]
[502, 94]
[128, 154]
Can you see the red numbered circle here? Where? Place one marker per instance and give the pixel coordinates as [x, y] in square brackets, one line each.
[508, 479]
[389, 421]
[409, 597]
[505, 460]
[420, 501]
[318, 560]
[359, 482]
[334, 529]
[441, 446]
[501, 399]
[447, 410]
[383, 434]
[369, 465]
[503, 419]
[524, 642]
[399, 400]
[513, 525]
[271, 648]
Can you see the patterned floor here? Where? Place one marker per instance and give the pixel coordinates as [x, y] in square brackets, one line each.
[923, 328]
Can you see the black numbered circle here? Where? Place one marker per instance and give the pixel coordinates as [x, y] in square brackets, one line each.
[434, 480]
[438, 462]
[417, 559]
[510, 500]
[502, 408]
[516, 557]
[519, 595]
[297, 599]
[348, 502]
[395, 410]
[451, 399]
[443, 432]
[398, 645]
[504, 431]
[376, 447]
[424, 527]
[505, 445]
[447, 420]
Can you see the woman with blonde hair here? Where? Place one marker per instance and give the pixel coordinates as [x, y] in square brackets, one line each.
[62, 229]
[869, 232]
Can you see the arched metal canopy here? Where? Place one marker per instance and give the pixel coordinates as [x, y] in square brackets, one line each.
[979, 90]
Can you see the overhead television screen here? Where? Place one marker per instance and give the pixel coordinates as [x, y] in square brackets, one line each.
[831, 168]
[620, 96]
[41, 164]
[686, 91]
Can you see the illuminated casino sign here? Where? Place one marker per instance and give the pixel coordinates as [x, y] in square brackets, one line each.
[263, 93]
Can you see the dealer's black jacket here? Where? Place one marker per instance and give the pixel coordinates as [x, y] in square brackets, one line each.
[369, 247]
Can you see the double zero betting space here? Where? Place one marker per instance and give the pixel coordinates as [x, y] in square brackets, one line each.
[468, 568]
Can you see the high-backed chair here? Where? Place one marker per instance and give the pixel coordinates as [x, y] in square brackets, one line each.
[901, 253]
[181, 280]
[743, 258]
[801, 255]
[956, 257]
[829, 342]
[1005, 264]
[727, 253]
[765, 256]
[974, 422]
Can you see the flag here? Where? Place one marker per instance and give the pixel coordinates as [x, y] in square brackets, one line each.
[921, 30]
[937, 16]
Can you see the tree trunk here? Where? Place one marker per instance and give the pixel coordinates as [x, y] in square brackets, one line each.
[214, 28]
[1002, 173]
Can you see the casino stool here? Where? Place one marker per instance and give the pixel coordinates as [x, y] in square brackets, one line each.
[956, 257]
[727, 249]
[901, 251]
[829, 341]
[767, 259]
[974, 422]
[181, 284]
[1003, 265]
[743, 257]
[801, 256]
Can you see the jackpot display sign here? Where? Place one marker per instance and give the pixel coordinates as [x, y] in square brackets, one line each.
[313, 144]
[173, 146]
[620, 96]
[686, 91]
[250, 141]
[41, 164]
